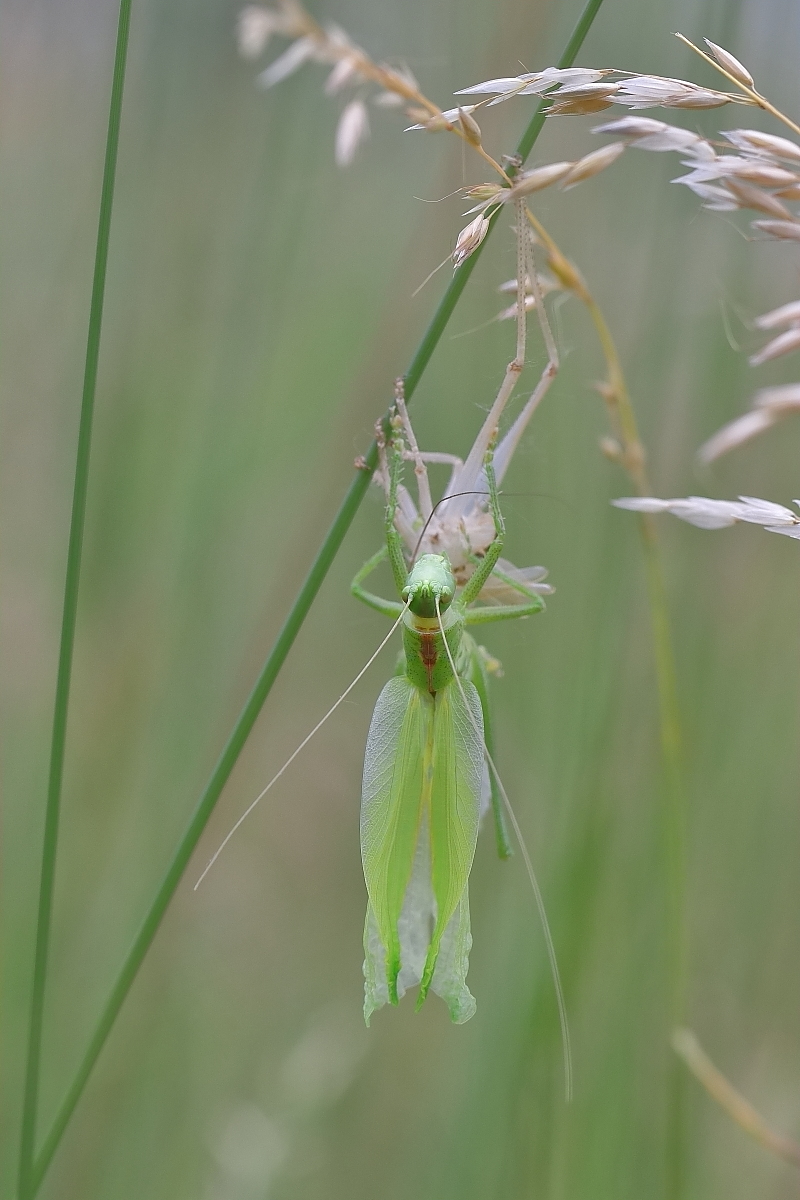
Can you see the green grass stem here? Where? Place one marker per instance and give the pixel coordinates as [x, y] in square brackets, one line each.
[30, 1098]
[269, 671]
[673, 804]
[631, 456]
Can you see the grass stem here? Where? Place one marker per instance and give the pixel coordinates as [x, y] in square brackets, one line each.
[630, 453]
[30, 1098]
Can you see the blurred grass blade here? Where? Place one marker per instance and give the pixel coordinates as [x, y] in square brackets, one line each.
[77, 521]
[55, 777]
[273, 664]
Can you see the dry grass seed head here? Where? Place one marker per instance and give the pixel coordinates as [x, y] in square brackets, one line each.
[352, 130]
[789, 230]
[470, 238]
[770, 405]
[730, 64]
[787, 314]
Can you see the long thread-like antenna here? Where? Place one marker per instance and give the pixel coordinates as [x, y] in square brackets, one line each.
[444, 499]
[292, 757]
[526, 858]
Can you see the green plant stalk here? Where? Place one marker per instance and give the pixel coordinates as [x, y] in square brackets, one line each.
[631, 456]
[30, 1098]
[272, 666]
[674, 808]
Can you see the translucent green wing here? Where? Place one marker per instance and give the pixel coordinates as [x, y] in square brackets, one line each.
[454, 817]
[391, 810]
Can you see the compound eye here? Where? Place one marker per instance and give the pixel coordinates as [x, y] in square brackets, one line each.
[445, 598]
[406, 592]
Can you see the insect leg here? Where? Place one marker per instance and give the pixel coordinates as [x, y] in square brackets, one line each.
[472, 475]
[389, 608]
[484, 615]
[472, 588]
[394, 543]
[474, 585]
[450, 460]
[477, 675]
[509, 443]
[420, 470]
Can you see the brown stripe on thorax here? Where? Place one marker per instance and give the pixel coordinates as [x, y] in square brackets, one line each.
[429, 654]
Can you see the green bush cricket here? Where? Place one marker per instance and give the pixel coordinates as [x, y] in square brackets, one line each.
[428, 771]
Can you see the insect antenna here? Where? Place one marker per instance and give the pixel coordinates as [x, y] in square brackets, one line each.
[473, 492]
[424, 529]
[526, 858]
[293, 756]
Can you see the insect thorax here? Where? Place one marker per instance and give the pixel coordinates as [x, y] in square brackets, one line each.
[427, 661]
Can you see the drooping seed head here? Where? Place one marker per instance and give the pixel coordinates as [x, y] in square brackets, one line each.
[470, 238]
[430, 579]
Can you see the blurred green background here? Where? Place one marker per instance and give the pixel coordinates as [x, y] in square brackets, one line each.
[259, 306]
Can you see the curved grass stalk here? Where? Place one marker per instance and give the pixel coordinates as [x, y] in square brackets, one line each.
[731, 1100]
[30, 1099]
[632, 458]
[673, 809]
[269, 672]
[629, 452]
